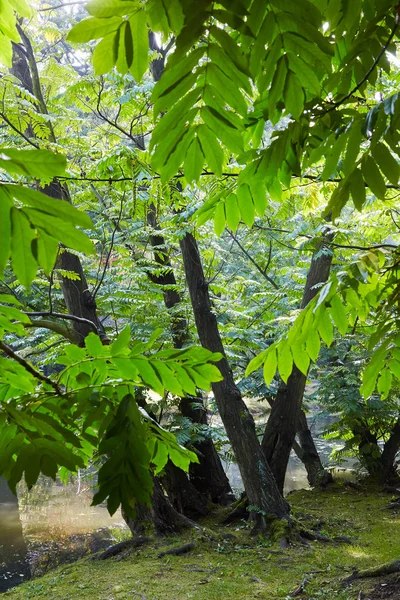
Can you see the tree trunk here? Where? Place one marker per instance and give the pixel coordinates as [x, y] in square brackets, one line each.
[390, 450]
[316, 473]
[258, 480]
[207, 476]
[280, 431]
[162, 516]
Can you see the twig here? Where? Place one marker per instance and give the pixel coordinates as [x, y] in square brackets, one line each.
[10, 352]
[116, 228]
[251, 259]
[368, 73]
[3, 116]
[64, 316]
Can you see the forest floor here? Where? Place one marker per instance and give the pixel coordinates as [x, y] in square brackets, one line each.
[228, 562]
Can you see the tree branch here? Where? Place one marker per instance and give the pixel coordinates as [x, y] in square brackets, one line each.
[251, 259]
[368, 73]
[11, 354]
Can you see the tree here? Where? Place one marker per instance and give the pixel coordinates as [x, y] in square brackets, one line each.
[298, 108]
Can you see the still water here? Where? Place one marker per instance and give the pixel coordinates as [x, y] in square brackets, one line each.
[50, 525]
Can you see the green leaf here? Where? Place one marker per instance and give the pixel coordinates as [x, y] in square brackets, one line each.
[357, 189]
[211, 149]
[223, 129]
[140, 38]
[313, 344]
[232, 212]
[194, 161]
[40, 164]
[385, 383]
[5, 229]
[232, 94]
[56, 208]
[23, 261]
[339, 315]
[173, 75]
[285, 361]
[60, 230]
[47, 249]
[122, 342]
[148, 375]
[106, 53]
[300, 357]
[93, 29]
[373, 177]
[305, 75]
[293, 96]
[110, 8]
[245, 202]
[93, 345]
[325, 327]
[394, 366]
[270, 365]
[353, 148]
[219, 218]
[386, 162]
[6, 51]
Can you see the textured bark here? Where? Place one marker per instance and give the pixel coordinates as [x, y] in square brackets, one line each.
[281, 427]
[162, 516]
[184, 497]
[316, 473]
[207, 476]
[258, 480]
[77, 296]
[389, 453]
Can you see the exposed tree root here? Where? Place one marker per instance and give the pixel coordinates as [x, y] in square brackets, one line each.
[379, 571]
[121, 547]
[178, 551]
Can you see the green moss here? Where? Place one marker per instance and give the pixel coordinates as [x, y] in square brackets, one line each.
[239, 566]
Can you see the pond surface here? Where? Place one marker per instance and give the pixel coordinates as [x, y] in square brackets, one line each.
[50, 525]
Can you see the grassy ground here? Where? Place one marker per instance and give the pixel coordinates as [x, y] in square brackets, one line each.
[243, 567]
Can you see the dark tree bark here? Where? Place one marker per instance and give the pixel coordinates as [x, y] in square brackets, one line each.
[162, 516]
[207, 476]
[390, 450]
[258, 481]
[281, 427]
[316, 473]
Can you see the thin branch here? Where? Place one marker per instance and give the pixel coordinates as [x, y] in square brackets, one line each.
[110, 250]
[251, 259]
[63, 316]
[10, 352]
[368, 73]
[25, 137]
[61, 6]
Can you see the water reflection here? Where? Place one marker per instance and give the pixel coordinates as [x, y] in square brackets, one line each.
[14, 564]
[50, 525]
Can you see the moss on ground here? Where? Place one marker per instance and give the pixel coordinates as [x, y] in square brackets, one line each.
[242, 567]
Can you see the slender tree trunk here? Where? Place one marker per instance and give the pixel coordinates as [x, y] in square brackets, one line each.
[207, 476]
[260, 486]
[316, 473]
[390, 450]
[280, 431]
